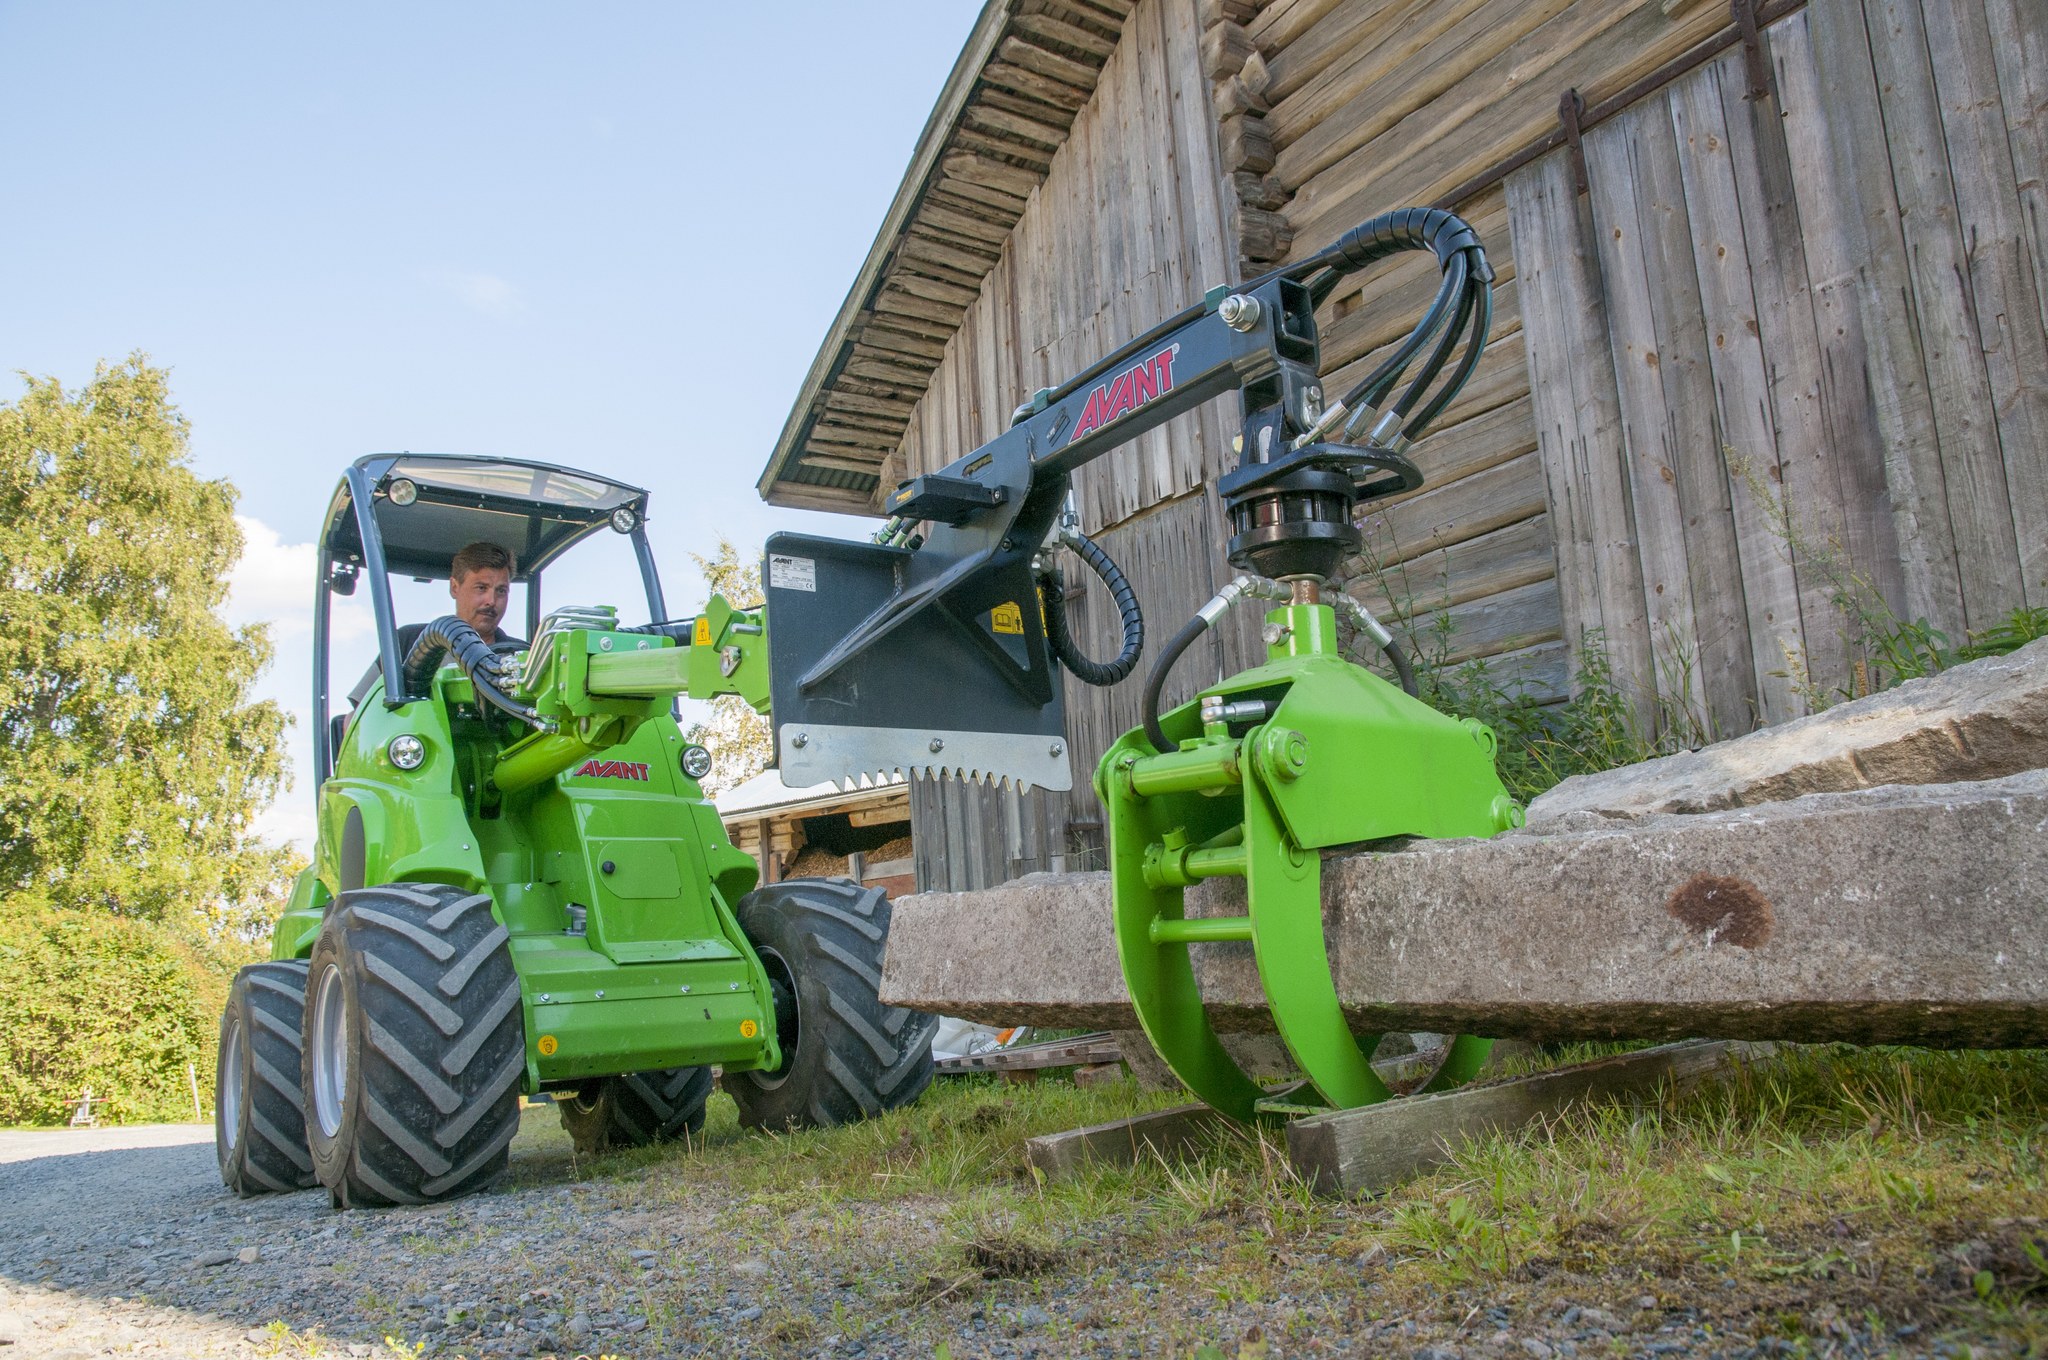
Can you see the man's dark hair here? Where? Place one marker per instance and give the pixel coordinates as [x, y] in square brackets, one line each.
[482, 557]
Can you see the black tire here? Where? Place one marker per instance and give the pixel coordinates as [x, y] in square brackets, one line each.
[845, 1056]
[636, 1109]
[415, 1045]
[259, 1114]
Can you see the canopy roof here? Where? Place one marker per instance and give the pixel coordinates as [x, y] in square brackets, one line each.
[537, 510]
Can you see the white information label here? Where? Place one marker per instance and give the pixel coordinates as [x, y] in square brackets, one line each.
[792, 573]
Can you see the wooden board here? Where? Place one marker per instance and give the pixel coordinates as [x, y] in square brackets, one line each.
[1358, 1152]
[1170, 1134]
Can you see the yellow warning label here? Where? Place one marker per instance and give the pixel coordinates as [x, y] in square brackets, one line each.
[701, 634]
[548, 1045]
[1007, 618]
[748, 1029]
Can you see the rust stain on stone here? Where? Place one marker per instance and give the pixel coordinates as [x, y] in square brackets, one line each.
[1722, 908]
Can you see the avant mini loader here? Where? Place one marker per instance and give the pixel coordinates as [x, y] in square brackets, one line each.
[519, 886]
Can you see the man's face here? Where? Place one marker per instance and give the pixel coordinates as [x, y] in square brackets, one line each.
[480, 599]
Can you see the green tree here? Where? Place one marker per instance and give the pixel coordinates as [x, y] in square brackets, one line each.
[739, 739]
[133, 758]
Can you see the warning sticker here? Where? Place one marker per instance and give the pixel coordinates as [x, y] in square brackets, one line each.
[547, 1045]
[792, 573]
[748, 1029]
[701, 634]
[1007, 618]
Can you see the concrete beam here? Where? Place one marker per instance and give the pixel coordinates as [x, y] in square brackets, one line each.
[1902, 914]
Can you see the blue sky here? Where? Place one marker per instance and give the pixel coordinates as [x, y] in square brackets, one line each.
[608, 235]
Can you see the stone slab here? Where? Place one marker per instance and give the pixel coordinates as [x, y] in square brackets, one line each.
[1362, 1151]
[1983, 720]
[1887, 915]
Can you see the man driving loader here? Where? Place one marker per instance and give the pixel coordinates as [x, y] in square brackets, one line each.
[480, 581]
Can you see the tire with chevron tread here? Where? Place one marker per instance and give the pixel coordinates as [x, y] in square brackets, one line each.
[637, 1109]
[259, 1119]
[414, 1047]
[845, 1055]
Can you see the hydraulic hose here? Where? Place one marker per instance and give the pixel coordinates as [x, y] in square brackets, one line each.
[1155, 683]
[450, 634]
[1218, 606]
[1398, 655]
[1089, 671]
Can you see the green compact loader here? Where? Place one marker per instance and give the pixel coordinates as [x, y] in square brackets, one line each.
[520, 887]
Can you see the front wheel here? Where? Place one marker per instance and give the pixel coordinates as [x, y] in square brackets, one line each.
[414, 1045]
[845, 1055]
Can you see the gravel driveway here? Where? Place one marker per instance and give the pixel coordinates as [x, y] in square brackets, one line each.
[122, 1241]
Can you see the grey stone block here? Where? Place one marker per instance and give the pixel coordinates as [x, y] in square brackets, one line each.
[1895, 914]
[1983, 720]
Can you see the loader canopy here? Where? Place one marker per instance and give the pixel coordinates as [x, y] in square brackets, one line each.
[536, 510]
[407, 514]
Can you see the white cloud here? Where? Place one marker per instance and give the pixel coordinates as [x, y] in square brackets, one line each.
[486, 294]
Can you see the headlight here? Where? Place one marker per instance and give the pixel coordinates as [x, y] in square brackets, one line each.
[407, 751]
[623, 519]
[402, 491]
[696, 762]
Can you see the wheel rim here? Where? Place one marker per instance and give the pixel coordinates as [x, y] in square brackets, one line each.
[330, 1051]
[789, 1016]
[230, 1098]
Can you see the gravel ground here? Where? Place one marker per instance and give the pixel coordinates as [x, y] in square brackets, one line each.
[122, 1241]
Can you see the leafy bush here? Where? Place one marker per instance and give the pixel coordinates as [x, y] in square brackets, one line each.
[91, 999]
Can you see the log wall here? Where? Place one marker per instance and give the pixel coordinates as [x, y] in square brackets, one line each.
[1333, 110]
[1128, 226]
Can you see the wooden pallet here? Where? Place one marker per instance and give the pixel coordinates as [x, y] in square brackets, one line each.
[1085, 1050]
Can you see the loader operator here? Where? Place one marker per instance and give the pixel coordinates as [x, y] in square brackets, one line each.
[480, 582]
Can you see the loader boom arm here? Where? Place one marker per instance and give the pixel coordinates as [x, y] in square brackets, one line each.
[593, 686]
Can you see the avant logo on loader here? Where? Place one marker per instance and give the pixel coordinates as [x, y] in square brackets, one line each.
[1127, 391]
[613, 769]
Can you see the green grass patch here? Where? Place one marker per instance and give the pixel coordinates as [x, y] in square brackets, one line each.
[1829, 1189]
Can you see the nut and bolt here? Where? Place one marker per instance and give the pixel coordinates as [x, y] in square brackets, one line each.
[544, 996]
[734, 986]
[599, 994]
[1239, 312]
[1057, 749]
[938, 745]
[800, 740]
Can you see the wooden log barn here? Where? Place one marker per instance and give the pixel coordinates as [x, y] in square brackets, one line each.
[1770, 349]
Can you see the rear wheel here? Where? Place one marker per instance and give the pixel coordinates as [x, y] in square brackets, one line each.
[259, 1122]
[414, 1045]
[637, 1109]
[845, 1055]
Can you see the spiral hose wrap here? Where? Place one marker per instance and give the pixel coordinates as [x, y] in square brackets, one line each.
[1086, 669]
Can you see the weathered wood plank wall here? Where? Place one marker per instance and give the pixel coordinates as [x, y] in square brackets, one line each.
[1338, 109]
[1128, 227]
[1819, 307]
[1841, 282]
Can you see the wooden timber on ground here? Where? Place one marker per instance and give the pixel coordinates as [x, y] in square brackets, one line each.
[1356, 1152]
[1170, 1133]
[1353, 1152]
